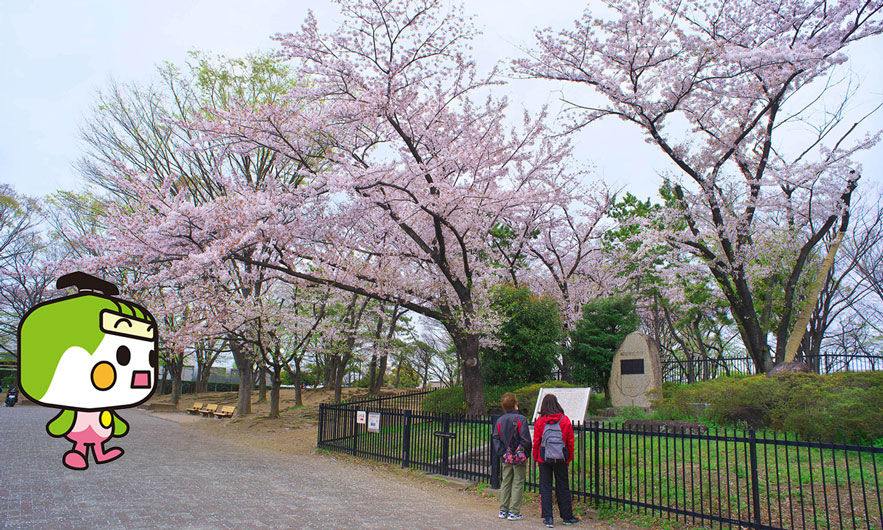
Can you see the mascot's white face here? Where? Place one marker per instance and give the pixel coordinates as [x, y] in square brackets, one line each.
[120, 372]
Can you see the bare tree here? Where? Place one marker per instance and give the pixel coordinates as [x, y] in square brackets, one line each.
[28, 264]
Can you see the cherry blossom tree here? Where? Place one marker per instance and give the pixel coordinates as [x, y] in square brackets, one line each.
[721, 88]
[161, 191]
[411, 173]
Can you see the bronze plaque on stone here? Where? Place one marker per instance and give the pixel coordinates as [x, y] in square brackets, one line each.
[631, 366]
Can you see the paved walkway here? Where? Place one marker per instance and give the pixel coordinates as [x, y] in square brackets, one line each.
[174, 477]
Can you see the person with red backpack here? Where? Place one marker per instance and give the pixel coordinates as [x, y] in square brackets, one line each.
[553, 451]
[512, 443]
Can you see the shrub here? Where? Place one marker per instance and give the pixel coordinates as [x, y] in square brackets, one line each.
[450, 400]
[840, 406]
[453, 401]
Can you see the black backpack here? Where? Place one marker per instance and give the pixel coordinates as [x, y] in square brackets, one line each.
[514, 454]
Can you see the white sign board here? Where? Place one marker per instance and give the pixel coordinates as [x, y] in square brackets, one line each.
[360, 417]
[373, 422]
[574, 401]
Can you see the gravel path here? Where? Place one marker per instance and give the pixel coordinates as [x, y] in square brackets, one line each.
[175, 477]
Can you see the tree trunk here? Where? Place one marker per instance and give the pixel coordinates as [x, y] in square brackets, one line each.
[822, 277]
[742, 308]
[399, 371]
[298, 393]
[330, 371]
[243, 360]
[262, 383]
[381, 373]
[338, 376]
[165, 375]
[372, 374]
[296, 380]
[202, 378]
[176, 369]
[473, 388]
[274, 391]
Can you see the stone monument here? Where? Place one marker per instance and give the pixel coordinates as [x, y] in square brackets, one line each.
[636, 374]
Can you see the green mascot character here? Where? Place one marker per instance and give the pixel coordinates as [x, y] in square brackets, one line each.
[88, 354]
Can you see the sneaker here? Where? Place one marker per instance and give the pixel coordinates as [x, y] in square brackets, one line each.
[504, 514]
[515, 517]
[572, 520]
[548, 522]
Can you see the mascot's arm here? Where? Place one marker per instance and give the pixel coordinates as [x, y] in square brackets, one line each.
[61, 424]
[120, 427]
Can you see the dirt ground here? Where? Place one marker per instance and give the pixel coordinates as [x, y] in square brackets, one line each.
[295, 432]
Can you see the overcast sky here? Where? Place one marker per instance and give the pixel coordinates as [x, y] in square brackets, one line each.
[55, 55]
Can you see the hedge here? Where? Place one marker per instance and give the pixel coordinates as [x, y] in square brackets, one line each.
[845, 406]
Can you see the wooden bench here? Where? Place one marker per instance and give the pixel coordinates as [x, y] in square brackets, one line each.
[208, 410]
[225, 412]
[195, 408]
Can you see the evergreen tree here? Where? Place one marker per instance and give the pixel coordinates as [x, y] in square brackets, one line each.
[604, 325]
[529, 338]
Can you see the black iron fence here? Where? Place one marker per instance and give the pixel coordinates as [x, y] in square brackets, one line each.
[704, 369]
[724, 478]
[412, 401]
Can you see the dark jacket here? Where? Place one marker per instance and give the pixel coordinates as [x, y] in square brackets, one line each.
[566, 432]
[504, 428]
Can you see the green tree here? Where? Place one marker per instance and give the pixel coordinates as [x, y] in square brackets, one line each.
[529, 338]
[600, 331]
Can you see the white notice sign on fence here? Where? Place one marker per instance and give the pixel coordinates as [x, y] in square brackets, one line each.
[373, 422]
[574, 401]
[360, 417]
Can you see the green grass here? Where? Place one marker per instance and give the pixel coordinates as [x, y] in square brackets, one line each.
[692, 475]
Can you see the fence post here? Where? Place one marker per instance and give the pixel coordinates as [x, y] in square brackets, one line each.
[320, 439]
[355, 427]
[446, 426]
[755, 488]
[597, 471]
[406, 441]
[495, 458]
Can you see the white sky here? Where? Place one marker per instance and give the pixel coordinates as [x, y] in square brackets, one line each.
[55, 55]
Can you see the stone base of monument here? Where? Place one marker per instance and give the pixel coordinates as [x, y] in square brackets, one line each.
[797, 367]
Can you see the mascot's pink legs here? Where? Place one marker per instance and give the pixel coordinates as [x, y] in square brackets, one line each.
[76, 458]
[102, 456]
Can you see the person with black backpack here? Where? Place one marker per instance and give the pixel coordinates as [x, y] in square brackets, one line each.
[512, 443]
[553, 451]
